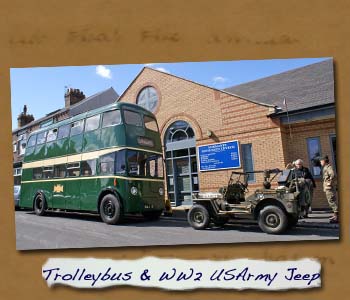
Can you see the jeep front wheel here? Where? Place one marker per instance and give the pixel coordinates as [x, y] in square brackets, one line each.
[273, 220]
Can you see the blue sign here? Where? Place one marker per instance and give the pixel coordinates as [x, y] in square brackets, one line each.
[219, 156]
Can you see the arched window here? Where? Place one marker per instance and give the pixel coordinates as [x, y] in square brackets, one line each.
[148, 98]
[179, 130]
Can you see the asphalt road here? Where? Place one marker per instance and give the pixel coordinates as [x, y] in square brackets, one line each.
[60, 230]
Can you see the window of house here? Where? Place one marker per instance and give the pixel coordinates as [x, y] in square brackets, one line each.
[31, 141]
[111, 118]
[148, 98]
[314, 151]
[150, 123]
[41, 138]
[88, 167]
[17, 171]
[92, 123]
[63, 131]
[73, 169]
[77, 128]
[22, 147]
[248, 162]
[133, 118]
[59, 171]
[51, 135]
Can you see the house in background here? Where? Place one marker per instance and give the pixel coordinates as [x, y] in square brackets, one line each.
[75, 103]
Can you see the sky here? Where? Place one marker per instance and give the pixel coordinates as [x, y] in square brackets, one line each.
[42, 88]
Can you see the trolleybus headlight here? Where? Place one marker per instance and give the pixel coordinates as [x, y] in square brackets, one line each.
[161, 191]
[134, 191]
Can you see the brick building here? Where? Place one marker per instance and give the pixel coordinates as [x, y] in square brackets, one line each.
[75, 103]
[275, 120]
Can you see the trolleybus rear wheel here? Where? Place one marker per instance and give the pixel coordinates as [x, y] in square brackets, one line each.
[40, 204]
[198, 217]
[110, 209]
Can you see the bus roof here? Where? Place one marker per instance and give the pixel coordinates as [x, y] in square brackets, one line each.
[116, 105]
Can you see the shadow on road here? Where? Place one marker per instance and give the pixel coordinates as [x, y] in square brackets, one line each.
[139, 221]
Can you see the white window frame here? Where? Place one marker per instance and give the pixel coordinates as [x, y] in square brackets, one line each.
[15, 148]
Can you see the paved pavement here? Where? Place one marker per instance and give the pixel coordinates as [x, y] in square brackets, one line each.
[68, 230]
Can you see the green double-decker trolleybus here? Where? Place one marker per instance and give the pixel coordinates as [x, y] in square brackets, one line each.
[107, 161]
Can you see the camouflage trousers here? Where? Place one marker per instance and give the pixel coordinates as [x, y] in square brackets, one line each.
[331, 196]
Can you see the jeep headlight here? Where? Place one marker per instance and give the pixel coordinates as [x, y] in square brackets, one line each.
[161, 191]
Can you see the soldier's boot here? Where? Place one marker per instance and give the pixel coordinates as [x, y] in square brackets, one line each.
[334, 219]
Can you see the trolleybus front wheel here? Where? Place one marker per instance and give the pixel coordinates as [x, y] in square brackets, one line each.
[40, 204]
[110, 209]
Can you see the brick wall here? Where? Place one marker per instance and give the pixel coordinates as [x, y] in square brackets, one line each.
[296, 147]
[227, 116]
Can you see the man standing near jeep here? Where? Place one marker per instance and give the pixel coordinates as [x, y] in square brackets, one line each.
[302, 172]
[329, 187]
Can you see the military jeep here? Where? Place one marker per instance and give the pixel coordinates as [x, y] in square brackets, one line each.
[275, 209]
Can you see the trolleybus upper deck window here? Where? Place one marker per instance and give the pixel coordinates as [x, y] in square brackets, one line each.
[111, 118]
[133, 118]
[92, 123]
[63, 131]
[77, 128]
[31, 141]
[150, 123]
[51, 135]
[41, 138]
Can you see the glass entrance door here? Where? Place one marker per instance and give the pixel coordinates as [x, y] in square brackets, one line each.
[181, 163]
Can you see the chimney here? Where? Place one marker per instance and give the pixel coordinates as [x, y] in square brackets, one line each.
[23, 118]
[73, 96]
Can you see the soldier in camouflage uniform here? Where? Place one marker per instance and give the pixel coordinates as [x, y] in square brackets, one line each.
[329, 187]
